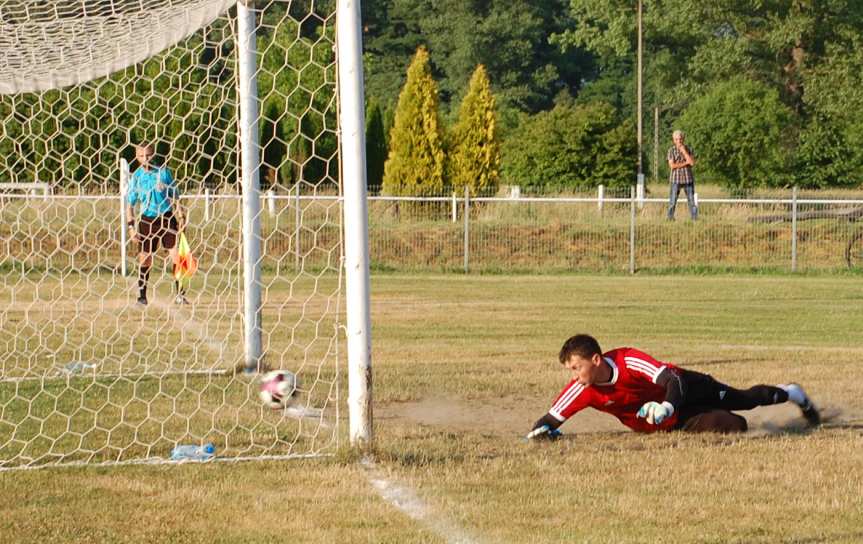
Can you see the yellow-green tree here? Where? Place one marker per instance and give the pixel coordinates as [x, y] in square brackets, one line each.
[415, 163]
[474, 157]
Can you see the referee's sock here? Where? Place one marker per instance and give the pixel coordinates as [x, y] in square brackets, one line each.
[143, 279]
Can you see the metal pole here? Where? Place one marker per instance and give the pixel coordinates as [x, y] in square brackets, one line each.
[454, 208]
[794, 229]
[251, 153]
[632, 230]
[466, 229]
[356, 227]
[206, 204]
[298, 216]
[656, 144]
[271, 203]
[639, 121]
[601, 197]
[124, 186]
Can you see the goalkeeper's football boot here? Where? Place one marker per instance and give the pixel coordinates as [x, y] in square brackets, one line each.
[798, 396]
[181, 300]
[142, 302]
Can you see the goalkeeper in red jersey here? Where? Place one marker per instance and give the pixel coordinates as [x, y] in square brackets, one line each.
[648, 395]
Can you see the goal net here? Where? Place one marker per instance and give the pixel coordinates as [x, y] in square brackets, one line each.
[234, 97]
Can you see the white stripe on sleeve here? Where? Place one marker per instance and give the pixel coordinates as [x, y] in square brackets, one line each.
[645, 367]
[571, 393]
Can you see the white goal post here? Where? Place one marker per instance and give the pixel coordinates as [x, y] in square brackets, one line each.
[240, 99]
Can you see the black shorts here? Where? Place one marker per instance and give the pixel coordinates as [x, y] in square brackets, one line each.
[704, 394]
[153, 231]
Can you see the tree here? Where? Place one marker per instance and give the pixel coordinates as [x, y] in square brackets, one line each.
[508, 37]
[571, 147]
[737, 131]
[697, 43]
[415, 163]
[376, 145]
[474, 157]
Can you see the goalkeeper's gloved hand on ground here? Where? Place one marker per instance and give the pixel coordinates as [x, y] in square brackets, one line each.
[543, 432]
[655, 413]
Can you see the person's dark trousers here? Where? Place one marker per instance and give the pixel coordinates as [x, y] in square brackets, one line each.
[689, 189]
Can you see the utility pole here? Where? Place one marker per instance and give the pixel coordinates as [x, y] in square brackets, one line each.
[640, 184]
[656, 143]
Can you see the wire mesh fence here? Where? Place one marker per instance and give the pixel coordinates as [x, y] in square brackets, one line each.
[575, 234]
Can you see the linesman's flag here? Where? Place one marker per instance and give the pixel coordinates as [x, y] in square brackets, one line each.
[185, 264]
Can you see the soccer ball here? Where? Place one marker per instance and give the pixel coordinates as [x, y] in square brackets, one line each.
[278, 388]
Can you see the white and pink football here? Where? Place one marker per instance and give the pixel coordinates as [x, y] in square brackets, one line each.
[278, 388]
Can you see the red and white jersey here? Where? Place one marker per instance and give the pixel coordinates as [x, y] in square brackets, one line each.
[633, 382]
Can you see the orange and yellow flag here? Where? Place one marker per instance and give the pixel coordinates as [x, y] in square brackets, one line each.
[185, 264]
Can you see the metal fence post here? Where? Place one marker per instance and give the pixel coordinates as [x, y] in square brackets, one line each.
[600, 197]
[124, 186]
[466, 229]
[271, 202]
[206, 204]
[297, 217]
[454, 208]
[632, 230]
[794, 229]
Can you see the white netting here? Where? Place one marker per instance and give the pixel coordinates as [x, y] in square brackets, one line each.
[48, 45]
[85, 375]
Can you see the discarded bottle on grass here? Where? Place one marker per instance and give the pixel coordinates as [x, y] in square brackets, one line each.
[77, 367]
[190, 452]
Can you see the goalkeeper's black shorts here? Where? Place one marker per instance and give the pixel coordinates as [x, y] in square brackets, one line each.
[705, 395]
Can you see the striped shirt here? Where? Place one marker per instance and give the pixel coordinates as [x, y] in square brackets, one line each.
[633, 382]
[681, 176]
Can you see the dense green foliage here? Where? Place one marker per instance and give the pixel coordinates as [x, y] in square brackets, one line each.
[415, 165]
[808, 53]
[572, 147]
[738, 131]
[474, 151]
[805, 56]
[508, 37]
[185, 101]
[376, 145]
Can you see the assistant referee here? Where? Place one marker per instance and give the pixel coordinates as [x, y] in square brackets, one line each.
[161, 218]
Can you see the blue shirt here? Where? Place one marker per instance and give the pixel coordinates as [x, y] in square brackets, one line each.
[153, 189]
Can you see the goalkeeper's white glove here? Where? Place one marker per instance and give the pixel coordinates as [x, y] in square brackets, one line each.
[543, 432]
[655, 413]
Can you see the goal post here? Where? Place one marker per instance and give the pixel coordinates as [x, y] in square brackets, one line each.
[250, 167]
[239, 98]
[356, 222]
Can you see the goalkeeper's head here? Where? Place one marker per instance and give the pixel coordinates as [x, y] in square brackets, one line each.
[583, 345]
[582, 355]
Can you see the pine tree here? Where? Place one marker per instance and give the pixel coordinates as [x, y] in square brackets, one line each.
[376, 146]
[416, 157]
[474, 158]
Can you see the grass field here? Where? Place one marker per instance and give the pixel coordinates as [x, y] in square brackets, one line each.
[463, 365]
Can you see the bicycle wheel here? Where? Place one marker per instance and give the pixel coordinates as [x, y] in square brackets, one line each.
[854, 251]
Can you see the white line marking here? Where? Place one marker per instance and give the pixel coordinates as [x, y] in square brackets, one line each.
[406, 500]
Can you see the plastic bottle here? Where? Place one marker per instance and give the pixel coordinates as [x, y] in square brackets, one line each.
[190, 452]
[76, 367]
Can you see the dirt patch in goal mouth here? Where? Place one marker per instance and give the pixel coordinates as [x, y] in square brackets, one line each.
[512, 416]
